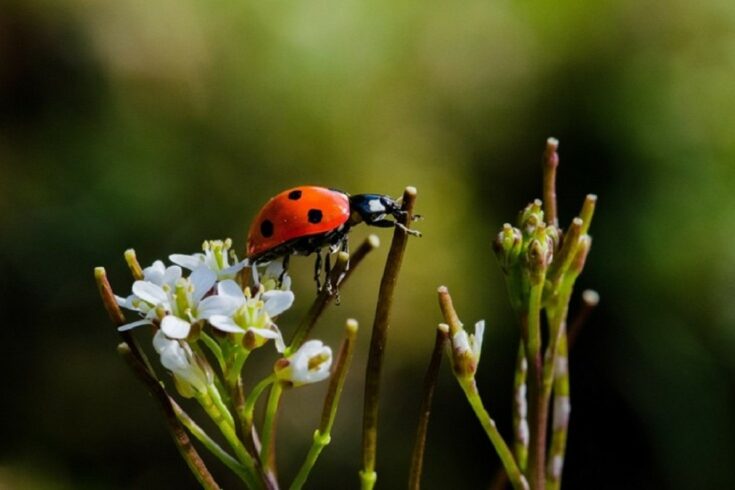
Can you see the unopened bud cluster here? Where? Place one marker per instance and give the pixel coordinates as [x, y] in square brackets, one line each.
[535, 252]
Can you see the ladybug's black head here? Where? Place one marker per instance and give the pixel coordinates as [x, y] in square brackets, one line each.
[373, 209]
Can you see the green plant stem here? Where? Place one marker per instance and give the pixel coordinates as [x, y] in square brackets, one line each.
[216, 398]
[561, 412]
[520, 409]
[551, 162]
[379, 338]
[432, 373]
[215, 349]
[588, 210]
[176, 429]
[248, 408]
[235, 369]
[132, 260]
[341, 272]
[322, 436]
[565, 256]
[210, 444]
[268, 450]
[248, 434]
[538, 406]
[501, 448]
[217, 411]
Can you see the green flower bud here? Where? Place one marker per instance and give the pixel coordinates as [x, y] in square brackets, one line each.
[531, 217]
[508, 245]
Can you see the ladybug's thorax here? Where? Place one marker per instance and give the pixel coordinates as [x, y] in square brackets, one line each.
[372, 208]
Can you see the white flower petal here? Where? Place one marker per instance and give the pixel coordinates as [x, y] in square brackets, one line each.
[132, 325]
[225, 324]
[461, 342]
[477, 339]
[203, 279]
[149, 292]
[172, 275]
[217, 305]
[280, 344]
[154, 273]
[190, 262]
[230, 288]
[234, 269]
[264, 332]
[160, 341]
[174, 327]
[276, 302]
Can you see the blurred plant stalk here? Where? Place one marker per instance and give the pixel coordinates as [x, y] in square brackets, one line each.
[541, 262]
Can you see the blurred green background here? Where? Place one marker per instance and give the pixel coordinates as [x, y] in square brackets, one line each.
[158, 124]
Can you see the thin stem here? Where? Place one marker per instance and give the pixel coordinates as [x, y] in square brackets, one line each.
[561, 412]
[268, 451]
[551, 162]
[176, 429]
[235, 369]
[118, 318]
[590, 300]
[520, 409]
[248, 434]
[432, 373]
[223, 419]
[565, 256]
[209, 443]
[379, 338]
[132, 260]
[322, 436]
[249, 406]
[588, 210]
[562, 401]
[342, 271]
[501, 448]
[538, 407]
[215, 349]
[216, 398]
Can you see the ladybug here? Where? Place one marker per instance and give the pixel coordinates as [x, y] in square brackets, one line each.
[305, 219]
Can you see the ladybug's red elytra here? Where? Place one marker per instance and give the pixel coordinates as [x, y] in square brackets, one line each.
[305, 219]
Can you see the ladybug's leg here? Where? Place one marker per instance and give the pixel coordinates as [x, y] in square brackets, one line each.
[386, 223]
[318, 270]
[286, 258]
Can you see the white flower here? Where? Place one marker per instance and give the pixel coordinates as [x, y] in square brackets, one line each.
[466, 349]
[253, 314]
[216, 257]
[191, 374]
[309, 364]
[270, 277]
[158, 275]
[182, 303]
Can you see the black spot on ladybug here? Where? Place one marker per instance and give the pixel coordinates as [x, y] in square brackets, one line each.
[294, 195]
[266, 228]
[315, 216]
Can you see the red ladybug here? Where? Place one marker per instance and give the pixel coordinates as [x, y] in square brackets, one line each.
[305, 219]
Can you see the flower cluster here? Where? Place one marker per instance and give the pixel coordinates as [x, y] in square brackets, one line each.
[203, 293]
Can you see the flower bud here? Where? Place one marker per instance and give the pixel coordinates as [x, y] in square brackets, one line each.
[539, 254]
[531, 217]
[309, 364]
[192, 373]
[465, 350]
[508, 246]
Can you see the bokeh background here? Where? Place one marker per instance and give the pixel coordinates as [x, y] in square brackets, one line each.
[156, 125]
